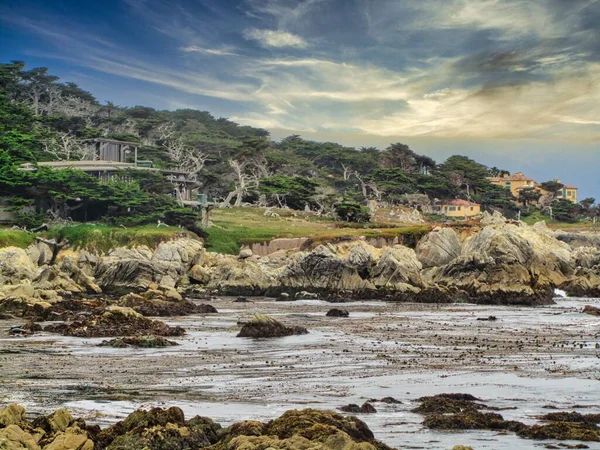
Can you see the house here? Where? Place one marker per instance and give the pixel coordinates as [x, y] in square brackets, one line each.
[457, 208]
[514, 182]
[518, 182]
[107, 158]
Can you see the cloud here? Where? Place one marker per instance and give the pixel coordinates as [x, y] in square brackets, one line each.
[275, 38]
[208, 51]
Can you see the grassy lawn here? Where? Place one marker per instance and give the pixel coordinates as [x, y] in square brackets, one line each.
[236, 226]
[96, 237]
[537, 216]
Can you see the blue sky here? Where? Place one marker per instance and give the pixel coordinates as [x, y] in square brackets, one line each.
[510, 83]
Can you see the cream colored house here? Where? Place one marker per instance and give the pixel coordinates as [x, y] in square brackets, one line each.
[458, 208]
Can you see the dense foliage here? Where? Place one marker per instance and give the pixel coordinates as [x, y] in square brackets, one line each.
[44, 119]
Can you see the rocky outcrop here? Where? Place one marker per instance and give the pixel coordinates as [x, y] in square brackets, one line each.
[438, 248]
[115, 321]
[163, 303]
[507, 263]
[139, 267]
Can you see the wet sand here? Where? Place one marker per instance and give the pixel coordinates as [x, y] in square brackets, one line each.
[528, 358]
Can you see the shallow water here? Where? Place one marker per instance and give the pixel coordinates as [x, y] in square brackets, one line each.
[528, 358]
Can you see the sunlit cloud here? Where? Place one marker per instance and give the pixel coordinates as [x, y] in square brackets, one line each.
[275, 38]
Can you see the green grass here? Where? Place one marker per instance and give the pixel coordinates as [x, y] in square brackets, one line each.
[244, 226]
[537, 216]
[103, 238]
[15, 238]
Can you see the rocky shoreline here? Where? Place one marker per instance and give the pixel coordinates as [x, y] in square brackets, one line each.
[500, 263]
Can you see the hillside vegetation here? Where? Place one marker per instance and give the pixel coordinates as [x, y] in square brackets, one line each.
[45, 119]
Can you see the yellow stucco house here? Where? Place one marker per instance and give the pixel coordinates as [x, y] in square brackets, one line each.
[517, 182]
[458, 208]
[513, 182]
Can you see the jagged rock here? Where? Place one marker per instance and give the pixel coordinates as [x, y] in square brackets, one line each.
[398, 265]
[438, 248]
[336, 312]
[488, 219]
[262, 326]
[15, 266]
[72, 439]
[117, 321]
[507, 264]
[586, 257]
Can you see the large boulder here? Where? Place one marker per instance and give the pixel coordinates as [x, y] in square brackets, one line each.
[439, 247]
[398, 268]
[16, 266]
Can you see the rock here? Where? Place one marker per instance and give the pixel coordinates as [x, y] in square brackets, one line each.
[159, 429]
[591, 310]
[366, 408]
[262, 326]
[489, 318]
[75, 439]
[117, 321]
[438, 248]
[138, 342]
[506, 264]
[14, 437]
[398, 265]
[156, 303]
[335, 312]
[488, 219]
[12, 414]
[245, 253]
[200, 274]
[241, 300]
[15, 266]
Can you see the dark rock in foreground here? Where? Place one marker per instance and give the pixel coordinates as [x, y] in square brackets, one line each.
[591, 310]
[156, 303]
[116, 321]
[366, 408]
[262, 326]
[461, 412]
[336, 312]
[168, 429]
[139, 342]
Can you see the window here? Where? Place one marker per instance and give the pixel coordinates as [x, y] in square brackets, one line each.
[507, 184]
[569, 193]
[529, 183]
[472, 208]
[453, 208]
[459, 208]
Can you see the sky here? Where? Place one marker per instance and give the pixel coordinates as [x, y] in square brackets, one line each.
[513, 84]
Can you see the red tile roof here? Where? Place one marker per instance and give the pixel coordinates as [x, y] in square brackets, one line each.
[515, 177]
[568, 186]
[458, 202]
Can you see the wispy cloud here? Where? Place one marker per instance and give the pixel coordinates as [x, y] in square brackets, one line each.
[414, 68]
[208, 51]
[275, 38]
